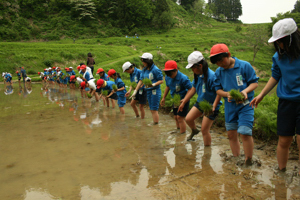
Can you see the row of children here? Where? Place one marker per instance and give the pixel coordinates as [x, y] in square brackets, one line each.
[7, 77]
[212, 86]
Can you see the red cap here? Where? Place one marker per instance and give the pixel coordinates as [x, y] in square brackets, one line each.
[22, 67]
[99, 70]
[170, 65]
[111, 72]
[67, 69]
[100, 83]
[45, 69]
[17, 71]
[218, 48]
[72, 77]
[38, 73]
[82, 67]
[78, 67]
[82, 84]
[53, 67]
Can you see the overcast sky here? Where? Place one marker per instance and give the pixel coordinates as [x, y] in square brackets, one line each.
[261, 11]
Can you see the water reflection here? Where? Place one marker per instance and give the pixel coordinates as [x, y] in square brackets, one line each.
[76, 148]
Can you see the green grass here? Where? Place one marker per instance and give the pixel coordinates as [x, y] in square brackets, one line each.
[133, 85]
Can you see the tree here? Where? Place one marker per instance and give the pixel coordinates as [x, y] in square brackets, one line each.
[231, 9]
[186, 4]
[296, 7]
[85, 9]
[198, 7]
[257, 37]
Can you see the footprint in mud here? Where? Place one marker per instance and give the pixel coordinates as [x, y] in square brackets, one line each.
[240, 161]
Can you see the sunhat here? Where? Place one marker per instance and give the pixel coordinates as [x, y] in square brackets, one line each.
[194, 58]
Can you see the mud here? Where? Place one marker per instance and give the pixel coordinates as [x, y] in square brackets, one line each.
[56, 145]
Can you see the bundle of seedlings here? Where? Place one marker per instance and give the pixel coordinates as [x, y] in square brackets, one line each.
[104, 92]
[206, 107]
[176, 100]
[147, 82]
[88, 95]
[81, 76]
[133, 85]
[236, 95]
[114, 87]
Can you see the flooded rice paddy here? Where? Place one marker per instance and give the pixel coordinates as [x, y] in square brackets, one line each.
[56, 145]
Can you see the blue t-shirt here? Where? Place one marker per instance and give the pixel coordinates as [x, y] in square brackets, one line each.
[178, 85]
[105, 77]
[120, 84]
[154, 74]
[288, 76]
[135, 76]
[108, 86]
[86, 75]
[239, 77]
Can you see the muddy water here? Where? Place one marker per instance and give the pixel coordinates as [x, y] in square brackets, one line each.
[56, 145]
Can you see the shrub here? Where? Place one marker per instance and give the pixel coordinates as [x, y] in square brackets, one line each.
[48, 63]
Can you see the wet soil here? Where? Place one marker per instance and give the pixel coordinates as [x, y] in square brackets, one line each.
[56, 145]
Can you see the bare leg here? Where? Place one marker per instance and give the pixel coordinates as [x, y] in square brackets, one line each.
[181, 123]
[135, 109]
[248, 145]
[234, 142]
[284, 143]
[142, 111]
[155, 116]
[176, 122]
[122, 110]
[205, 129]
[190, 120]
[113, 103]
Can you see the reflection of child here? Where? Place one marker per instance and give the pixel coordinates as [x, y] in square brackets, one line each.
[141, 95]
[203, 84]
[285, 73]
[239, 116]
[121, 91]
[179, 84]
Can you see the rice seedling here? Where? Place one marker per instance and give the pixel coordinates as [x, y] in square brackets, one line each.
[133, 85]
[236, 95]
[88, 95]
[206, 107]
[147, 82]
[114, 87]
[176, 100]
[104, 92]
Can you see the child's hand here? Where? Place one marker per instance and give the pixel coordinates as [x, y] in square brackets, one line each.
[180, 108]
[244, 94]
[127, 94]
[162, 102]
[228, 97]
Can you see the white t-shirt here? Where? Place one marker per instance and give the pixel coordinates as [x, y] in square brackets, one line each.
[88, 69]
[78, 80]
[27, 79]
[92, 84]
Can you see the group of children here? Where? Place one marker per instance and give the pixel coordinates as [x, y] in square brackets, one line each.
[210, 86]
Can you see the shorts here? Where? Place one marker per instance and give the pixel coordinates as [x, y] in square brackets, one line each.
[153, 97]
[8, 80]
[121, 101]
[113, 96]
[141, 96]
[212, 116]
[98, 90]
[71, 82]
[288, 118]
[184, 111]
[239, 117]
[19, 78]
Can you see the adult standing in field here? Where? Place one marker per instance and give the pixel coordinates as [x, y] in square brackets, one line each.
[141, 96]
[203, 85]
[23, 73]
[285, 73]
[152, 72]
[90, 62]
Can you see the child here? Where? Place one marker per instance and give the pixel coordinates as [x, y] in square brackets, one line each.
[91, 84]
[180, 84]
[19, 76]
[239, 116]
[203, 84]
[152, 72]
[103, 76]
[285, 73]
[141, 96]
[107, 85]
[121, 91]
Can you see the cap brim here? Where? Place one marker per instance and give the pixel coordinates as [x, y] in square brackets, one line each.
[168, 70]
[189, 66]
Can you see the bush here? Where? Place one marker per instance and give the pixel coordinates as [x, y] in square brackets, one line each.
[48, 63]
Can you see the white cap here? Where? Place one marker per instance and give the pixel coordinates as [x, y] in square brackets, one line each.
[70, 67]
[282, 28]
[126, 66]
[194, 58]
[148, 56]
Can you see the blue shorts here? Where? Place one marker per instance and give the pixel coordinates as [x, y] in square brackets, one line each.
[121, 101]
[184, 111]
[153, 97]
[8, 79]
[212, 116]
[239, 117]
[141, 96]
[288, 118]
